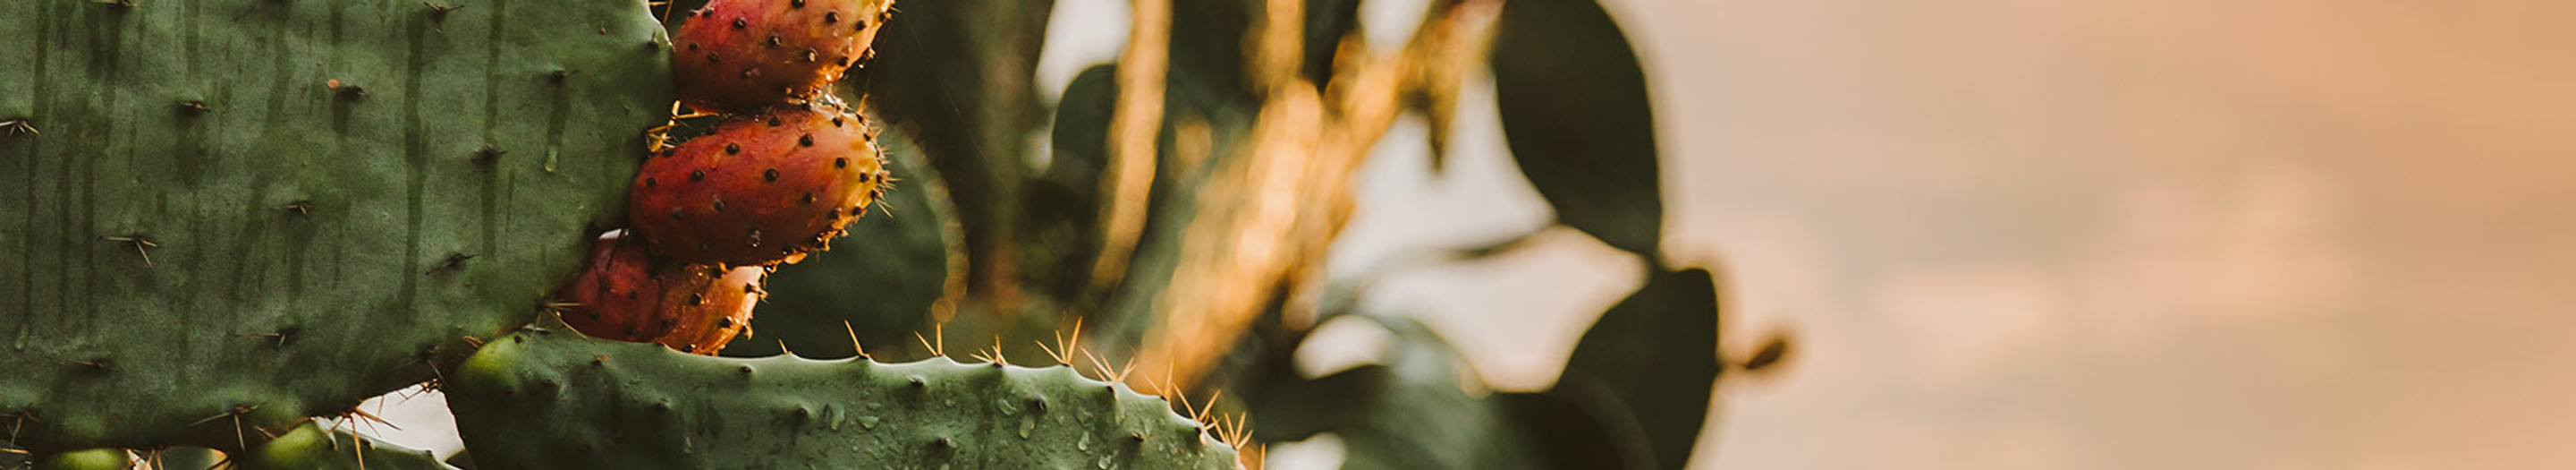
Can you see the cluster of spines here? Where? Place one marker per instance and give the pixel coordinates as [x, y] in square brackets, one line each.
[1234, 430]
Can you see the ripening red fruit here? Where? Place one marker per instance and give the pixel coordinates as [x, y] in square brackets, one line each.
[743, 55]
[623, 295]
[760, 190]
[708, 306]
[616, 296]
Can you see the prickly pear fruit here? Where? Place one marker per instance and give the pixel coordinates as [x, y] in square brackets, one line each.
[623, 295]
[743, 55]
[710, 306]
[616, 295]
[760, 190]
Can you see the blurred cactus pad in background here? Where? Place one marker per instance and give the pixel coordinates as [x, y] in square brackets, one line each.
[227, 223]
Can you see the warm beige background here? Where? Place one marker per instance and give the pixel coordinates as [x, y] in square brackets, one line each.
[2094, 234]
[2036, 234]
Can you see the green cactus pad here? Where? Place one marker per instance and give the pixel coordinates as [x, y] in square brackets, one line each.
[559, 400]
[246, 212]
[87, 459]
[310, 447]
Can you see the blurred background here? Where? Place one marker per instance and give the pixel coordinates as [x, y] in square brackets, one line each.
[2016, 234]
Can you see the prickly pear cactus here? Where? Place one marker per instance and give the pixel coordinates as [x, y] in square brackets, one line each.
[311, 447]
[223, 216]
[91, 459]
[550, 399]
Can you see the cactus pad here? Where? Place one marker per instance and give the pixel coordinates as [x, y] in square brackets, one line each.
[310, 447]
[550, 399]
[223, 216]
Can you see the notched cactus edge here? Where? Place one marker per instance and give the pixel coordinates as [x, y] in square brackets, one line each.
[553, 399]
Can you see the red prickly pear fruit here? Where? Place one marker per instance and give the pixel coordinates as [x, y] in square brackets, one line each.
[743, 55]
[760, 190]
[617, 294]
[622, 295]
[717, 309]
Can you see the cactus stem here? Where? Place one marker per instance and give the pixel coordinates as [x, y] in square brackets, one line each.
[142, 245]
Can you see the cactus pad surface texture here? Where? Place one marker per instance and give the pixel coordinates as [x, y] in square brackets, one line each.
[554, 399]
[313, 447]
[219, 217]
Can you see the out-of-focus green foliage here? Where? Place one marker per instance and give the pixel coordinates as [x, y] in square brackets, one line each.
[961, 76]
[1650, 363]
[1574, 107]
